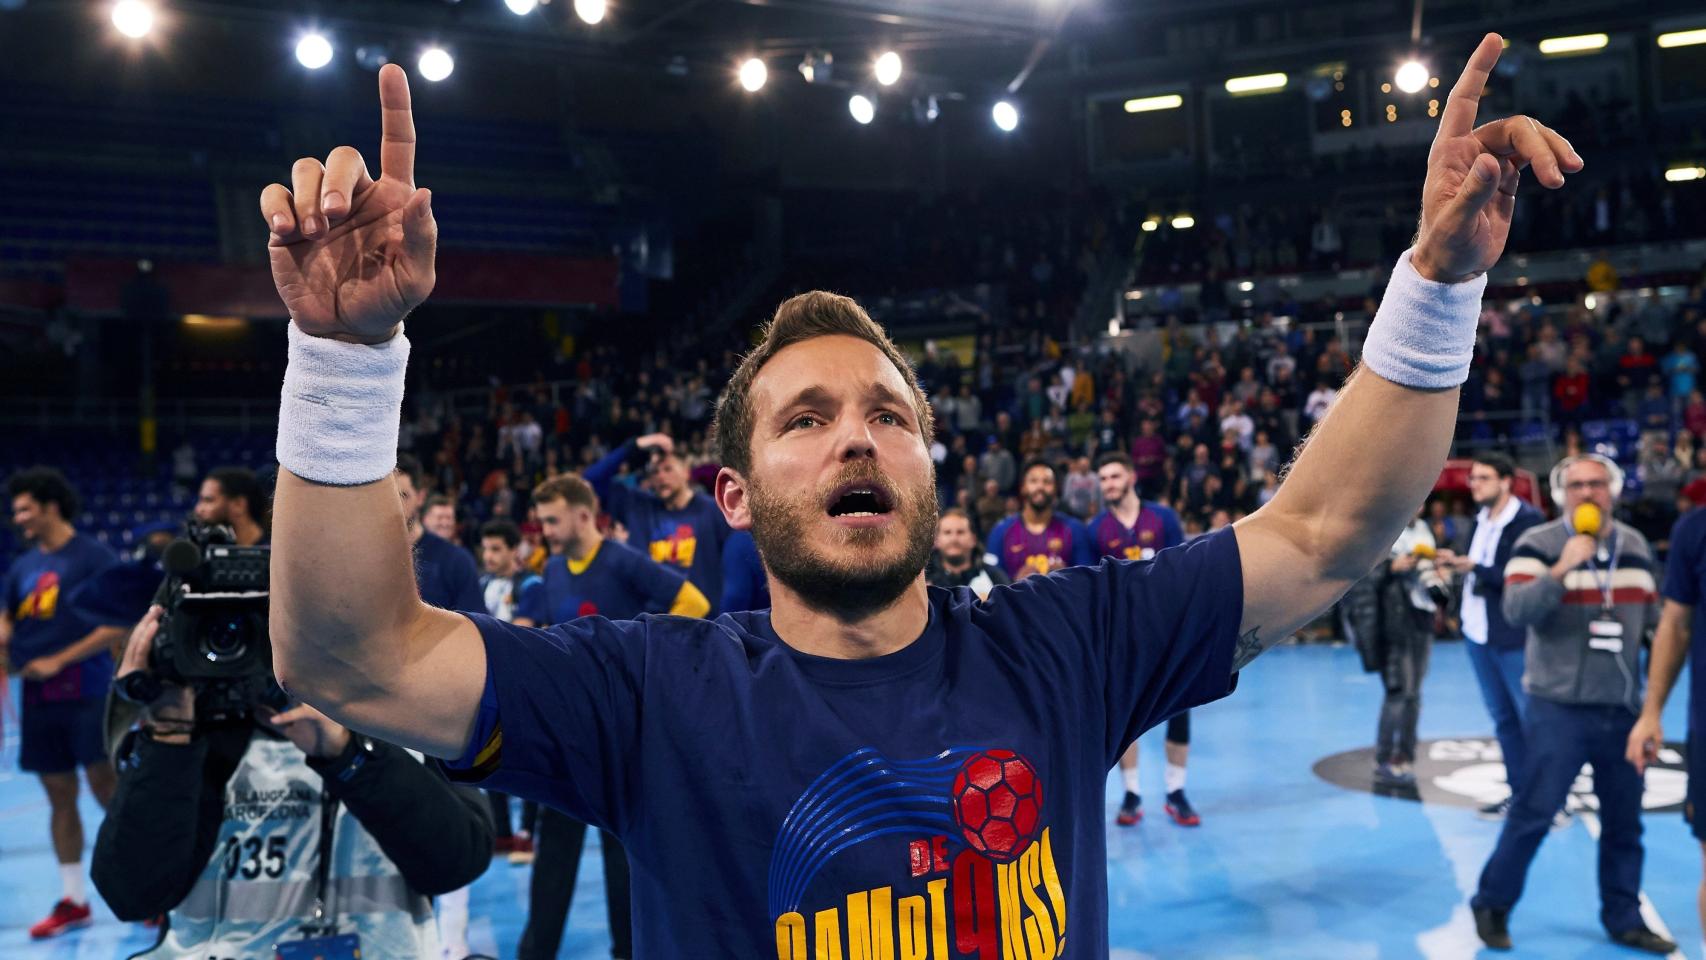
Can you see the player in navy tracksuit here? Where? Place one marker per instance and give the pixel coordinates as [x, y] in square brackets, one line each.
[1682, 627]
[587, 576]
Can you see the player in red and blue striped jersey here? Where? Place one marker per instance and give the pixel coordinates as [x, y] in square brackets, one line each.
[1132, 529]
[1038, 539]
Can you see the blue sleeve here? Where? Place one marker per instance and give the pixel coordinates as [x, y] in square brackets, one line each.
[1682, 571]
[603, 472]
[995, 548]
[1082, 553]
[559, 719]
[656, 583]
[465, 584]
[1156, 637]
[743, 573]
[533, 602]
[1172, 533]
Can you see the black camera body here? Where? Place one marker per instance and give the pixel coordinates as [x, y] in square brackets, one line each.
[213, 633]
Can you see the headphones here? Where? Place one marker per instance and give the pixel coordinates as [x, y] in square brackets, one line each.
[1556, 480]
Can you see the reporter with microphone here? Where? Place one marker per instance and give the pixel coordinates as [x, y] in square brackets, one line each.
[1582, 586]
[1408, 589]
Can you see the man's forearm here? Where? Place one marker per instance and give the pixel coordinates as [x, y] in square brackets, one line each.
[1361, 475]
[343, 587]
[1670, 649]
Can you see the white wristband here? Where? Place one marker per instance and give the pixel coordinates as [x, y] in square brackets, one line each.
[1423, 335]
[341, 407]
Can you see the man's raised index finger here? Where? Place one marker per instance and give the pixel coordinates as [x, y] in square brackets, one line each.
[1465, 98]
[397, 125]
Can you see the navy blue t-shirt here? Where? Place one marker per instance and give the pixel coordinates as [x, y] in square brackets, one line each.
[744, 584]
[690, 539]
[36, 588]
[619, 583]
[447, 576]
[1685, 582]
[950, 792]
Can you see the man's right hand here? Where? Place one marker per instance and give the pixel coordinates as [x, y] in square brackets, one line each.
[1646, 738]
[351, 256]
[1578, 550]
[176, 705]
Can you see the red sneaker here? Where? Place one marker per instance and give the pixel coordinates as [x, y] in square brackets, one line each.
[1131, 810]
[65, 916]
[1181, 811]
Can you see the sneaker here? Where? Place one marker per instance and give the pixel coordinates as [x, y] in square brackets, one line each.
[1493, 927]
[521, 852]
[1180, 810]
[1131, 810]
[1394, 775]
[65, 916]
[1495, 811]
[1641, 938]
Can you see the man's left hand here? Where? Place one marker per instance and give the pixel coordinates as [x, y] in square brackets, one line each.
[1470, 193]
[42, 668]
[312, 731]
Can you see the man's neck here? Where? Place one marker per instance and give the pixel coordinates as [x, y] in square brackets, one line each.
[1127, 509]
[247, 531]
[1499, 505]
[679, 499]
[578, 550]
[57, 535]
[872, 635]
[1036, 520]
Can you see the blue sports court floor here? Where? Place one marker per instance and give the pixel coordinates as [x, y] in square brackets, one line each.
[1286, 865]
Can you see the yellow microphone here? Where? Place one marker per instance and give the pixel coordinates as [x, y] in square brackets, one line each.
[1586, 519]
[1424, 551]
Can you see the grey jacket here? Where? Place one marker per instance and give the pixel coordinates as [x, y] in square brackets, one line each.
[1562, 664]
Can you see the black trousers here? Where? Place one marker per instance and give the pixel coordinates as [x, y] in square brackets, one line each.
[558, 839]
[500, 813]
[1408, 650]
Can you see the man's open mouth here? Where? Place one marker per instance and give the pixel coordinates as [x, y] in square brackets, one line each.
[860, 500]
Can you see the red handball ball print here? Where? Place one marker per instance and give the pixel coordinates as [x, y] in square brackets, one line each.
[998, 803]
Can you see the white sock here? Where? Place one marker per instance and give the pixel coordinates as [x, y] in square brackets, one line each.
[71, 877]
[1175, 777]
[1129, 775]
[453, 923]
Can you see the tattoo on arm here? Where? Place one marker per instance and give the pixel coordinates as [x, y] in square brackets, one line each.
[1250, 645]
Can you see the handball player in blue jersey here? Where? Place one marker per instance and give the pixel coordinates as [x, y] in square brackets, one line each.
[1682, 628]
[1130, 528]
[672, 523]
[1039, 538]
[871, 767]
[66, 664]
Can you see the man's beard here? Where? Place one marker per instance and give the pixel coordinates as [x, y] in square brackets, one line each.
[847, 591]
[1045, 506]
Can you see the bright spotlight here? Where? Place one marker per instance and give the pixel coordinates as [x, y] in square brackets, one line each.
[435, 64]
[1585, 43]
[313, 51]
[753, 73]
[1006, 116]
[1411, 77]
[133, 18]
[1684, 174]
[590, 11]
[521, 8]
[1151, 225]
[1183, 221]
[888, 68]
[1260, 83]
[862, 109]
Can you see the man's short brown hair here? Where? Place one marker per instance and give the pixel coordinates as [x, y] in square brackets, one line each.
[805, 317]
[569, 488]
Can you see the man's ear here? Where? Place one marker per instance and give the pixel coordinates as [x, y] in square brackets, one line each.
[732, 499]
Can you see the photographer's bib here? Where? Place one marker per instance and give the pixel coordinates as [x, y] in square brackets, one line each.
[260, 885]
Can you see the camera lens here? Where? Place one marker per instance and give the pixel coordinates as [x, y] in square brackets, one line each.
[226, 639]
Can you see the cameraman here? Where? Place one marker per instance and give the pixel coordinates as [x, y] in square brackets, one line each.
[233, 497]
[224, 825]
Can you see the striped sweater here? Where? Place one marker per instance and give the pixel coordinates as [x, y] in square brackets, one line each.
[1561, 665]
